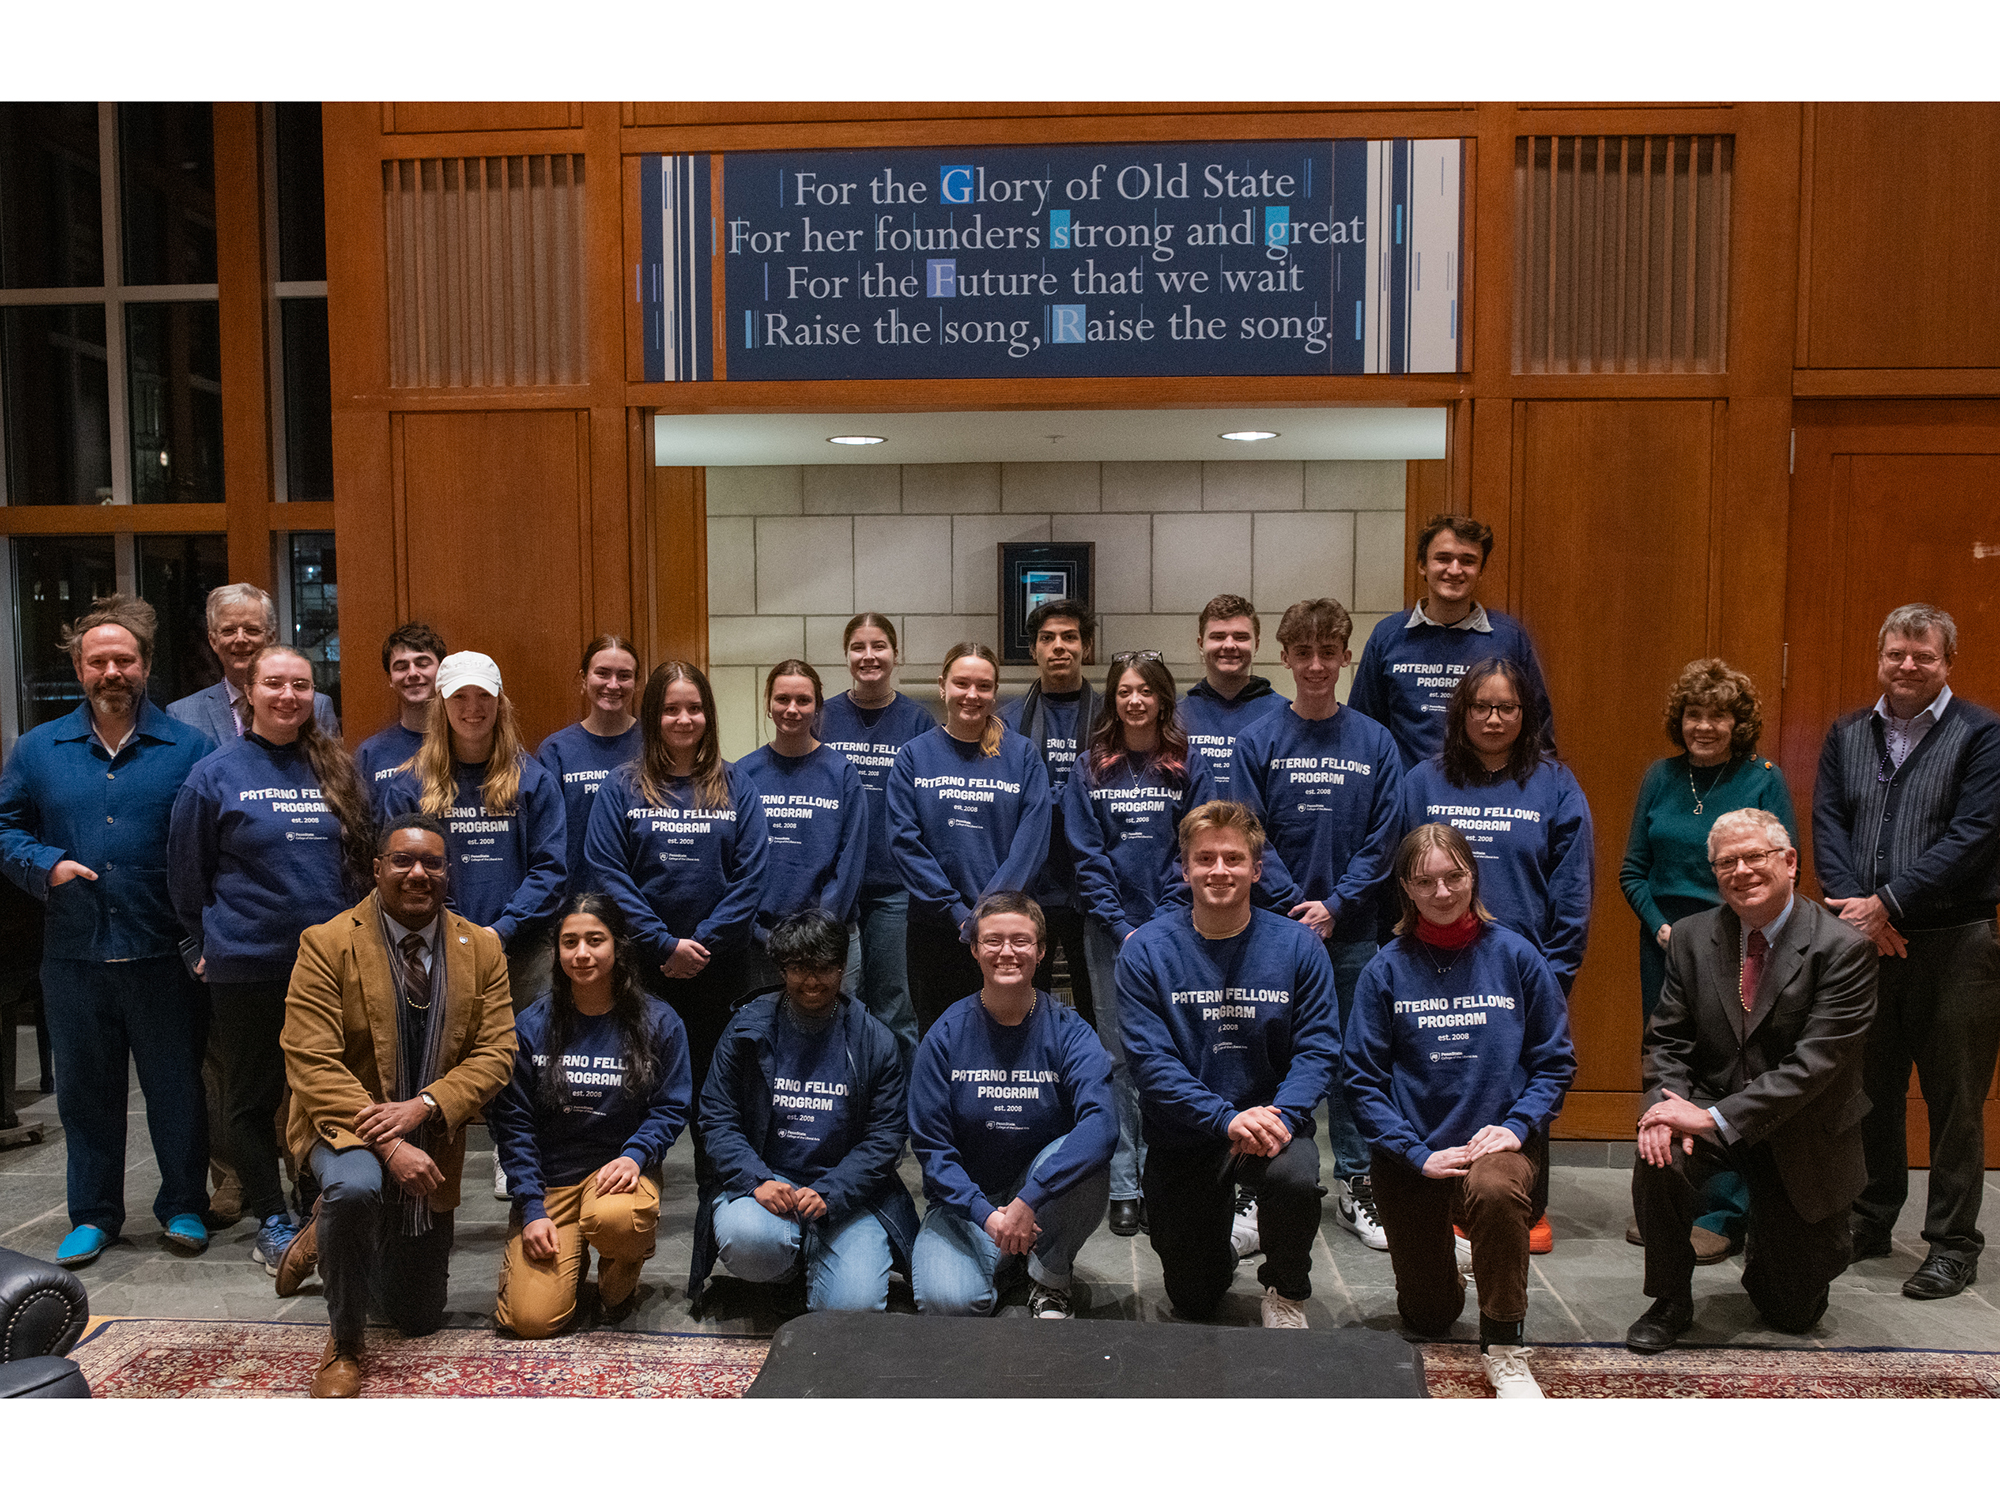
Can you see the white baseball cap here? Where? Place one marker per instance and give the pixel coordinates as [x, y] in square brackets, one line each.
[468, 669]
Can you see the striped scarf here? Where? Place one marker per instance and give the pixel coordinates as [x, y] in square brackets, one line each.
[414, 1075]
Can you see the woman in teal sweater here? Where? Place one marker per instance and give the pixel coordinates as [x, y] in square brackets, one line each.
[1714, 715]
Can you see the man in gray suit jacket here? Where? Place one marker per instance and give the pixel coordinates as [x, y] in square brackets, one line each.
[1753, 1063]
[242, 619]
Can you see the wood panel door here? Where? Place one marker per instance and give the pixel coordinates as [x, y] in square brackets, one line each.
[1610, 548]
[1892, 503]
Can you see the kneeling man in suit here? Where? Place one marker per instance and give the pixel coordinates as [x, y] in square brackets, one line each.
[1753, 1063]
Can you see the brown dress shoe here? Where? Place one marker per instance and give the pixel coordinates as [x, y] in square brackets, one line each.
[617, 1281]
[301, 1258]
[1632, 1235]
[1710, 1248]
[339, 1374]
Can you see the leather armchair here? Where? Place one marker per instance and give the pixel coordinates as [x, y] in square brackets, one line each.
[43, 1309]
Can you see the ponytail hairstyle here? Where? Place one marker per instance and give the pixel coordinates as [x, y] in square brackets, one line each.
[628, 1008]
[436, 767]
[880, 622]
[339, 782]
[989, 742]
[1107, 736]
[791, 666]
[655, 768]
[605, 642]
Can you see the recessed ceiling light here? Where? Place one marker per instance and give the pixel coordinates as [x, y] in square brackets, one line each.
[1248, 436]
[856, 440]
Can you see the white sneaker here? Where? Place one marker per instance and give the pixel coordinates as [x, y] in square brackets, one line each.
[499, 1179]
[1354, 1207]
[1463, 1247]
[1508, 1373]
[1283, 1312]
[1243, 1236]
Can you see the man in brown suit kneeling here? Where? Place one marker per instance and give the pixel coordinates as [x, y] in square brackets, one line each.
[1753, 1062]
[398, 1029]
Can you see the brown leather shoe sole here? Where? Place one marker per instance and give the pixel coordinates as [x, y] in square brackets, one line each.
[339, 1375]
[301, 1258]
[1710, 1248]
[1632, 1235]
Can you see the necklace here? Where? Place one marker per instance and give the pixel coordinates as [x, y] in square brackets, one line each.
[1431, 953]
[1697, 792]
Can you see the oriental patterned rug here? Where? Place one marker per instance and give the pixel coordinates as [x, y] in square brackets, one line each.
[1605, 1371]
[181, 1359]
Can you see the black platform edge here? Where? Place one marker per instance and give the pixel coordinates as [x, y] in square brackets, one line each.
[876, 1356]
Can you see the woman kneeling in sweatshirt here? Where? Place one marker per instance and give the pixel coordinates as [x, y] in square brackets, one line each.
[1458, 1056]
[804, 1109]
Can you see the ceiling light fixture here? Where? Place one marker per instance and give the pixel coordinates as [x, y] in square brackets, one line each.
[856, 440]
[1248, 436]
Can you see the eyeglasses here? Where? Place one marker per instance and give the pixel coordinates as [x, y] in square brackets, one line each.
[998, 944]
[402, 864]
[1451, 884]
[1924, 659]
[1494, 710]
[1726, 866]
[1126, 658]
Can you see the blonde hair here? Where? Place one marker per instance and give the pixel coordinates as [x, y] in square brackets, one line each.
[1422, 840]
[1227, 817]
[989, 741]
[435, 767]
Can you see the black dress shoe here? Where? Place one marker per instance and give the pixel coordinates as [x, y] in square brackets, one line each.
[1869, 1245]
[1943, 1274]
[1127, 1216]
[1662, 1325]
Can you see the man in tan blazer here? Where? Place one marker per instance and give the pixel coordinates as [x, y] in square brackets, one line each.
[1753, 1062]
[398, 1029]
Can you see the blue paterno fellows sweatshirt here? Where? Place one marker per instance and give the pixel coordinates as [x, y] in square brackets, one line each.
[870, 738]
[540, 1150]
[1407, 673]
[1212, 722]
[1328, 794]
[1537, 860]
[1433, 1059]
[816, 818]
[253, 859]
[1213, 1026]
[986, 1098]
[580, 762]
[1060, 733]
[1124, 825]
[383, 751]
[506, 868]
[680, 870]
[964, 824]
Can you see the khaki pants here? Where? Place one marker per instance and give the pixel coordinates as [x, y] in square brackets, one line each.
[538, 1297]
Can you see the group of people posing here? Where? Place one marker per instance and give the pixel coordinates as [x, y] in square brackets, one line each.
[846, 941]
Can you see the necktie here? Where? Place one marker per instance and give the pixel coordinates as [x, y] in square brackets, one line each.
[416, 983]
[1753, 965]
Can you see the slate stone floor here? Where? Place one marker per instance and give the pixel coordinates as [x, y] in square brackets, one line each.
[1586, 1291]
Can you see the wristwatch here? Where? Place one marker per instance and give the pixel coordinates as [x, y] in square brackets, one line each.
[436, 1111]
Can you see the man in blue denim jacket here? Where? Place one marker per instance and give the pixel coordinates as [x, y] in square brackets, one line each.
[84, 803]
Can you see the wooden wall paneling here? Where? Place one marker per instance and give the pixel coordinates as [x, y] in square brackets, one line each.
[1616, 607]
[405, 118]
[1905, 230]
[243, 314]
[108, 520]
[641, 574]
[1752, 526]
[1762, 309]
[791, 112]
[493, 516]
[373, 571]
[606, 295]
[1426, 493]
[1492, 489]
[680, 562]
[1802, 317]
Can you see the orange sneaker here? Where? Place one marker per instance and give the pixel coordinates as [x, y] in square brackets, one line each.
[1541, 1238]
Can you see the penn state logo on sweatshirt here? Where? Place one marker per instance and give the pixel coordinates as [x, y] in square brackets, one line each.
[302, 811]
[678, 832]
[1446, 1030]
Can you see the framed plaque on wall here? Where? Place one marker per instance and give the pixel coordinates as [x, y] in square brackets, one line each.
[1033, 574]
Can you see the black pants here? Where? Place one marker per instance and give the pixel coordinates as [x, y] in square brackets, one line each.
[1938, 1008]
[704, 1004]
[247, 1021]
[1788, 1264]
[1191, 1198]
[1066, 933]
[942, 969]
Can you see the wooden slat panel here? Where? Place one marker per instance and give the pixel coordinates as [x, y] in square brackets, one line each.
[434, 119]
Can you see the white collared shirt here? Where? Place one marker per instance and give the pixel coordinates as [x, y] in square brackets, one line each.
[1475, 621]
[97, 733]
[429, 934]
[1904, 735]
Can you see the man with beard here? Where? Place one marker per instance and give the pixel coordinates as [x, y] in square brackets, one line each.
[84, 804]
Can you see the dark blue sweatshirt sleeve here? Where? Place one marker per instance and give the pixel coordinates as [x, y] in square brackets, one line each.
[1096, 881]
[1315, 1037]
[1030, 849]
[1086, 1071]
[1572, 879]
[673, 1092]
[871, 1161]
[946, 1182]
[1370, 1058]
[1369, 692]
[1832, 823]
[743, 863]
[1163, 1080]
[193, 850]
[1547, 1057]
[923, 876]
[853, 861]
[1278, 890]
[739, 1167]
[1372, 861]
[546, 839]
[510, 1118]
[607, 849]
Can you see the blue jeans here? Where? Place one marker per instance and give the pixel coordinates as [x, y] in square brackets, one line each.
[878, 973]
[847, 1264]
[1100, 951]
[957, 1270]
[104, 1018]
[1343, 1136]
[364, 1254]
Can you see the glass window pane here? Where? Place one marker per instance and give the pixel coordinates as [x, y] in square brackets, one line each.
[55, 578]
[175, 575]
[301, 195]
[51, 208]
[308, 401]
[166, 170]
[316, 608]
[55, 398]
[174, 350]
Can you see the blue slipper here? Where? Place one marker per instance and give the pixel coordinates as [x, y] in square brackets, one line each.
[188, 1232]
[82, 1245]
